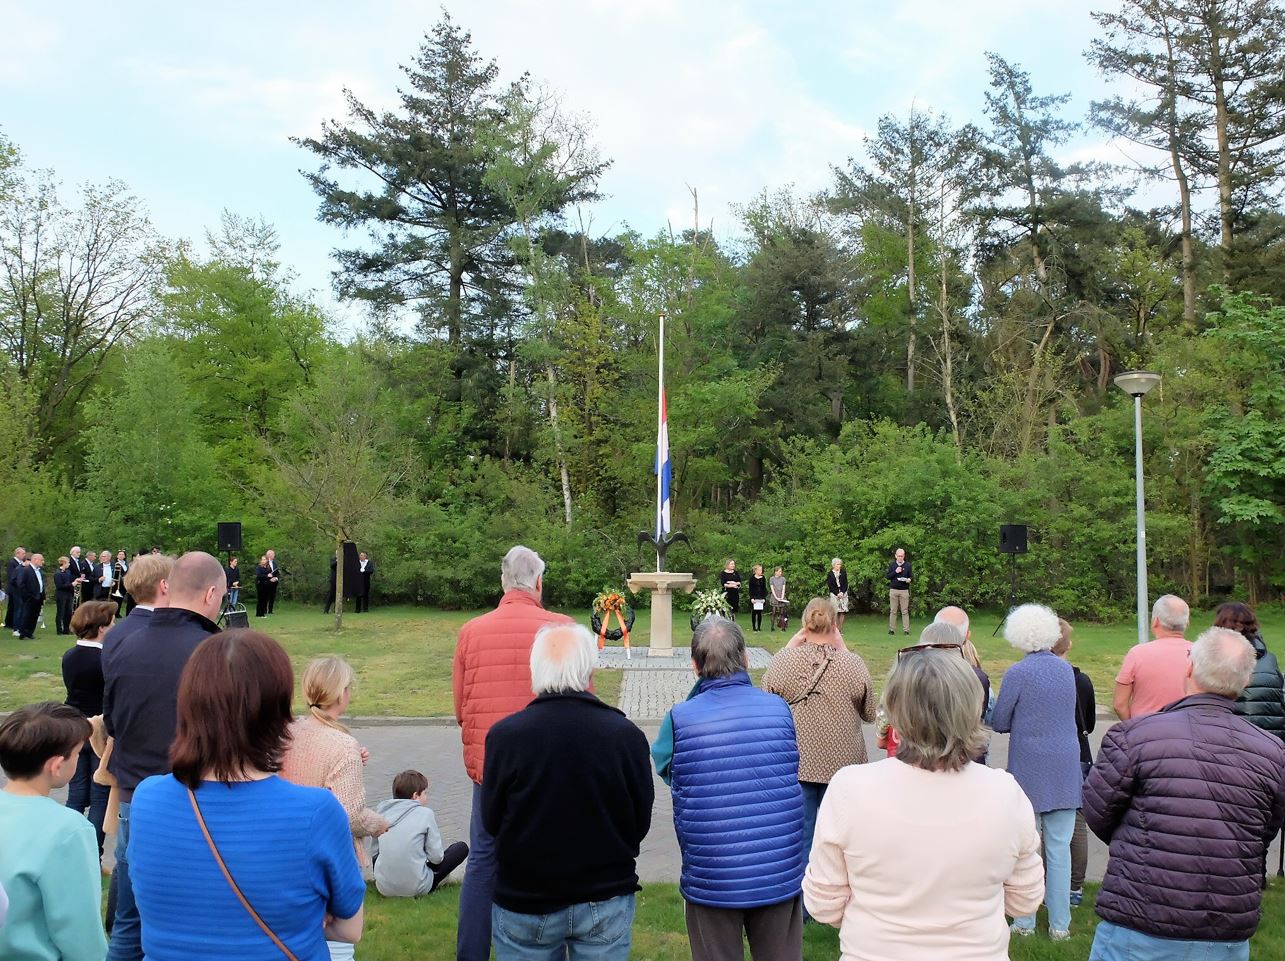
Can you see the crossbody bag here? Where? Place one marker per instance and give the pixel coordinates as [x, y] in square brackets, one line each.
[227, 876]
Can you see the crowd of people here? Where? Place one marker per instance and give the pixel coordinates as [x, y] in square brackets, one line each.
[243, 831]
[768, 594]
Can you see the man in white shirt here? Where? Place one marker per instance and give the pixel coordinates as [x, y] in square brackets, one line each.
[31, 589]
[365, 568]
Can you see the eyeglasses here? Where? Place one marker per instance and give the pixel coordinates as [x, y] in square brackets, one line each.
[916, 648]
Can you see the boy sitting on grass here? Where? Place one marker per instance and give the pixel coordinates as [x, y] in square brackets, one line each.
[409, 860]
[49, 855]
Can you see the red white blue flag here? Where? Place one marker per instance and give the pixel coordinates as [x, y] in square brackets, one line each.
[664, 471]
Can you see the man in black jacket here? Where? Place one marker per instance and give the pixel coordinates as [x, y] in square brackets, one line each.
[30, 590]
[140, 706]
[365, 569]
[81, 570]
[13, 604]
[899, 576]
[567, 794]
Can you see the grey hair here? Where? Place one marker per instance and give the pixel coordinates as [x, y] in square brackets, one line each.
[836, 560]
[1171, 613]
[569, 669]
[718, 648]
[956, 616]
[934, 701]
[520, 569]
[1031, 628]
[1222, 662]
[940, 632]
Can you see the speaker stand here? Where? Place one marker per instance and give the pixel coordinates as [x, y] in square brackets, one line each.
[1012, 591]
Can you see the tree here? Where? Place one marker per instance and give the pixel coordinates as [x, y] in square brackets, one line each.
[1141, 42]
[75, 283]
[339, 457]
[440, 227]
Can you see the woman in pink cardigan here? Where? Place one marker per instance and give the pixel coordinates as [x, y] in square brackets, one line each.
[920, 856]
[323, 754]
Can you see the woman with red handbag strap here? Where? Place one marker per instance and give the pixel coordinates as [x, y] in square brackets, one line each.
[227, 859]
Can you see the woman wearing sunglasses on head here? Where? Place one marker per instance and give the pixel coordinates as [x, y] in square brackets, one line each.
[920, 856]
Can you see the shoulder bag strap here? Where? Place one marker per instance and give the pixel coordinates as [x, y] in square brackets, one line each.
[227, 875]
[815, 681]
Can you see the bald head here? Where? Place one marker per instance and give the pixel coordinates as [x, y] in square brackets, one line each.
[957, 618]
[562, 658]
[197, 583]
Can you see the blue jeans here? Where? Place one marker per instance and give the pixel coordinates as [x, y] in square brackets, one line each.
[1056, 827]
[473, 936]
[83, 793]
[1111, 942]
[127, 930]
[812, 795]
[234, 595]
[593, 931]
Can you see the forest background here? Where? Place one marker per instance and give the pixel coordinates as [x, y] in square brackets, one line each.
[917, 354]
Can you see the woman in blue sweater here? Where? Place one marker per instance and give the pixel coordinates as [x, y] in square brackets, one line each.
[1036, 707]
[287, 848]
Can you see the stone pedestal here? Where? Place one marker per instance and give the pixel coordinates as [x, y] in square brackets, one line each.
[662, 585]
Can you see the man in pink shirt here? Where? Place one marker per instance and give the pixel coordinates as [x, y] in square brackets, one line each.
[1152, 674]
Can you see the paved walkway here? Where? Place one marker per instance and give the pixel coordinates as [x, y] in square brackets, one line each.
[652, 685]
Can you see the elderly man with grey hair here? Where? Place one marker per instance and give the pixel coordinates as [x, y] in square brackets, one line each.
[567, 794]
[491, 678]
[1188, 798]
[1152, 673]
[730, 754]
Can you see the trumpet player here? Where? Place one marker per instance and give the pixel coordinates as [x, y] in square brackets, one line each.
[82, 572]
[64, 590]
[104, 577]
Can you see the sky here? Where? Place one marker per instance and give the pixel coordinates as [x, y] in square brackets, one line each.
[193, 105]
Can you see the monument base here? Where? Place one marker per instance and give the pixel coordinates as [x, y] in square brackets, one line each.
[662, 585]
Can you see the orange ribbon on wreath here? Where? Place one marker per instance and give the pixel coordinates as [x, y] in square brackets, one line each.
[612, 604]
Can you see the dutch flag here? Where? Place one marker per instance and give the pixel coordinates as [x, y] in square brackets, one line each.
[664, 470]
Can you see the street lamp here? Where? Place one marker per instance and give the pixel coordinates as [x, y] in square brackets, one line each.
[1136, 383]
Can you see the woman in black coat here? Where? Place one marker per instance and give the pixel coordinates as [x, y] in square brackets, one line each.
[64, 579]
[1263, 701]
[262, 575]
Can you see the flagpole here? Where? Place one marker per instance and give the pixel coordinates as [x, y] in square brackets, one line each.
[660, 414]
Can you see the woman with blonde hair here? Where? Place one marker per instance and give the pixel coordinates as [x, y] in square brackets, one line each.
[829, 691]
[918, 857]
[322, 753]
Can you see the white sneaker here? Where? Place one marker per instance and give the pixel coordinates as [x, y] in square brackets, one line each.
[1056, 935]
[1020, 932]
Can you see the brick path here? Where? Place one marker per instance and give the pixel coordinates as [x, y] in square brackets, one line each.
[652, 685]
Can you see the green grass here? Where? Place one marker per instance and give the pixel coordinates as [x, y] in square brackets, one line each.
[403, 654]
[424, 930]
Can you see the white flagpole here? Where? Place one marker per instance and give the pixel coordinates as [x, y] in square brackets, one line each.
[660, 402]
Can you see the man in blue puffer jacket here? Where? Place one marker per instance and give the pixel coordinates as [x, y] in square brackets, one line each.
[738, 807]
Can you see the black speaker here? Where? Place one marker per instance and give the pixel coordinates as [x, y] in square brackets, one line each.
[233, 619]
[352, 569]
[1012, 538]
[229, 536]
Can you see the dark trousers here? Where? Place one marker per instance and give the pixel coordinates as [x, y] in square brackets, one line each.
[261, 601]
[756, 618]
[30, 617]
[452, 858]
[271, 591]
[775, 932]
[83, 793]
[330, 599]
[363, 603]
[11, 609]
[65, 608]
[473, 936]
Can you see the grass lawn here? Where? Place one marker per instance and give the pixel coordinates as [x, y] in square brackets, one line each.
[403, 654]
[424, 930]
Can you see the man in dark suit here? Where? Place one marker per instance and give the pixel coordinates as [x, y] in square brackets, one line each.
[122, 568]
[81, 570]
[14, 603]
[104, 576]
[31, 590]
[365, 568]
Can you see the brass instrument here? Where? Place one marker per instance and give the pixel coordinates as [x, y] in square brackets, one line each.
[75, 590]
[118, 582]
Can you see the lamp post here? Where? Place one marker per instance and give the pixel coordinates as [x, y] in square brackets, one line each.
[1136, 383]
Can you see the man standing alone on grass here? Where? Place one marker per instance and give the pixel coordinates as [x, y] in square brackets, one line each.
[491, 679]
[899, 577]
[567, 794]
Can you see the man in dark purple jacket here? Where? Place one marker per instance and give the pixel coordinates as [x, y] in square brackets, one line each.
[1188, 799]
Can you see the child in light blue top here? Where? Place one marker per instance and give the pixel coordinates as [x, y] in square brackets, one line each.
[49, 853]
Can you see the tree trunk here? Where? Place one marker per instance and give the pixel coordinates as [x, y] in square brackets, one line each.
[1184, 192]
[910, 289]
[339, 583]
[1221, 123]
[948, 362]
[557, 443]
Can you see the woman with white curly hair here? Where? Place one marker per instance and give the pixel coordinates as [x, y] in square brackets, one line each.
[1036, 708]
